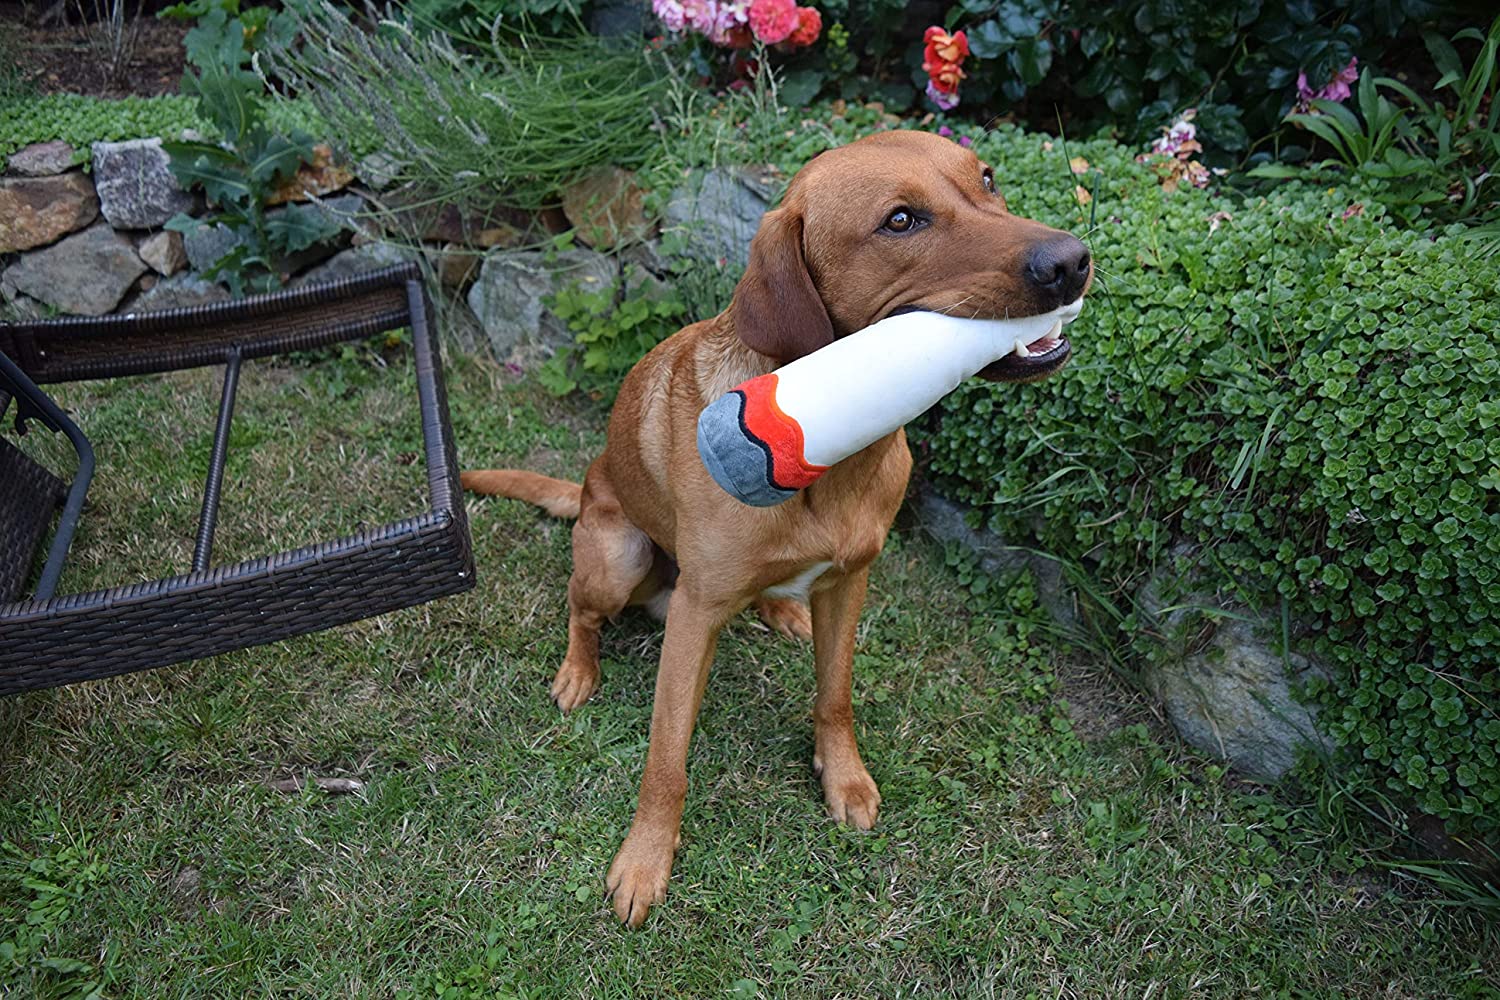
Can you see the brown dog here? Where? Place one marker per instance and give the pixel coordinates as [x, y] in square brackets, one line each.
[898, 220]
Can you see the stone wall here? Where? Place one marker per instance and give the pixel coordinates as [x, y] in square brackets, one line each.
[89, 242]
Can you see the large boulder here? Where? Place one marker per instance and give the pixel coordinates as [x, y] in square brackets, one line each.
[508, 298]
[86, 274]
[719, 211]
[35, 211]
[1226, 687]
[136, 186]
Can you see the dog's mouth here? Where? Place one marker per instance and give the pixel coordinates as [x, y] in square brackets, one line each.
[1044, 356]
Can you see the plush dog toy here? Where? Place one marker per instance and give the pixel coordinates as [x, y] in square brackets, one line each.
[776, 434]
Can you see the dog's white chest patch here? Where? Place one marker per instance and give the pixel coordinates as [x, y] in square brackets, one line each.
[798, 586]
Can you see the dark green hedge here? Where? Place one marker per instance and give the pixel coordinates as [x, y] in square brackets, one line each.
[1308, 397]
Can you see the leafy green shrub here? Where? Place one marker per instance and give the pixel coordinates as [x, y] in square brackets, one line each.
[614, 328]
[1139, 64]
[1423, 158]
[1127, 68]
[80, 120]
[241, 171]
[1311, 399]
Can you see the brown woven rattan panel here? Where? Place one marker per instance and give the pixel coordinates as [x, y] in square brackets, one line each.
[29, 496]
[98, 634]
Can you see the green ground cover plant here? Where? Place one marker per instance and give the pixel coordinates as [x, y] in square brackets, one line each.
[1040, 834]
[80, 120]
[1306, 397]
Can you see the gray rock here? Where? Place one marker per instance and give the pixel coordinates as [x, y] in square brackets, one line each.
[136, 188]
[206, 244]
[42, 159]
[1226, 689]
[164, 252]
[16, 307]
[719, 211]
[647, 256]
[176, 292]
[343, 210]
[507, 299]
[948, 522]
[35, 211]
[355, 260]
[86, 274]
[379, 170]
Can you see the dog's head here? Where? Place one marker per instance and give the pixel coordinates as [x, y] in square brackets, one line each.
[901, 221]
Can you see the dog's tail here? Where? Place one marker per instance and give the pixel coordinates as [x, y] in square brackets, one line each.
[557, 497]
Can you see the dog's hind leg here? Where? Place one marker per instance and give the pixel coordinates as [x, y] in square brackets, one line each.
[611, 557]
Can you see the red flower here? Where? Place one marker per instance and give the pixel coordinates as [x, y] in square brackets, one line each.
[942, 59]
[809, 27]
[941, 47]
[946, 78]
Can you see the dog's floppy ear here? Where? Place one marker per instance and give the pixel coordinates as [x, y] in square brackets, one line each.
[776, 308]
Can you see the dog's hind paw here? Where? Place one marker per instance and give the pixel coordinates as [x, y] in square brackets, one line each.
[786, 615]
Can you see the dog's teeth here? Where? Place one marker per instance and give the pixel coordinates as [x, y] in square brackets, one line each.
[1021, 351]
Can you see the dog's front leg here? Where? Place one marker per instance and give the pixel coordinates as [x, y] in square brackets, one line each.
[638, 877]
[847, 786]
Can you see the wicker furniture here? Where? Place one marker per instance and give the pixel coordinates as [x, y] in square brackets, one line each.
[46, 641]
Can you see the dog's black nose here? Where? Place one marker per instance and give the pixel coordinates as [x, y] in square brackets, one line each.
[1060, 265]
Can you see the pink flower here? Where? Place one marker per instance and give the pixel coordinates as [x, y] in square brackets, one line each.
[669, 13]
[773, 20]
[1181, 136]
[1336, 89]
[730, 15]
[700, 15]
[945, 101]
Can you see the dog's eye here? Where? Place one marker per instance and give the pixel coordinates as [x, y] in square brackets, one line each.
[989, 181]
[902, 220]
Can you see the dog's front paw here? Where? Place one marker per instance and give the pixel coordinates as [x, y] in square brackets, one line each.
[851, 794]
[637, 879]
[574, 685]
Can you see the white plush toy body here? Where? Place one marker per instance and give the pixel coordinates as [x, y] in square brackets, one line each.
[771, 436]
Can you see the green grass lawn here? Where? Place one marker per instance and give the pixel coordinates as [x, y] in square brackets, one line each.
[1041, 835]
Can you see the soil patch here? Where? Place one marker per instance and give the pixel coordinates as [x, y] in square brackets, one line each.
[73, 56]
